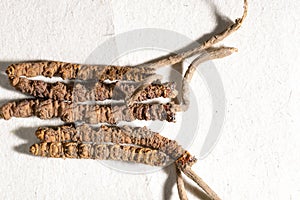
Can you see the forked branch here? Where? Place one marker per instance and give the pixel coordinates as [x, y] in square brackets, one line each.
[207, 44]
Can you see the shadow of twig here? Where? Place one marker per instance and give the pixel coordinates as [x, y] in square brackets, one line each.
[196, 191]
[170, 182]
[222, 23]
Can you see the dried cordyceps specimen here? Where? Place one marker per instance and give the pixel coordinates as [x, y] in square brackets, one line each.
[78, 71]
[100, 151]
[93, 114]
[123, 135]
[96, 91]
[111, 134]
[144, 74]
[70, 112]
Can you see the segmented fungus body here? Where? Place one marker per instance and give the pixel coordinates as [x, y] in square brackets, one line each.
[92, 114]
[111, 134]
[94, 91]
[78, 71]
[100, 152]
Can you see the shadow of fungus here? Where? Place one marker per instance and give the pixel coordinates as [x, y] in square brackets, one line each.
[27, 134]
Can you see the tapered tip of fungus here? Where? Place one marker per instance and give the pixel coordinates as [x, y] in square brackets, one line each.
[10, 70]
[174, 94]
[40, 134]
[233, 49]
[34, 149]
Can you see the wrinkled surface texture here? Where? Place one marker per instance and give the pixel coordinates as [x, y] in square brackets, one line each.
[257, 156]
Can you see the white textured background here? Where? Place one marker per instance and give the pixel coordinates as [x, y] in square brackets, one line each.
[258, 154]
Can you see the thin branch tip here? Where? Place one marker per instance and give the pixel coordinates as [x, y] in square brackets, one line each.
[245, 11]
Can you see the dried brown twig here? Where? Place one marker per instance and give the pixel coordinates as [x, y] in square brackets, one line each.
[210, 54]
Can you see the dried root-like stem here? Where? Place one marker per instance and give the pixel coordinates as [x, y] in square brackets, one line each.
[100, 152]
[93, 114]
[192, 175]
[209, 54]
